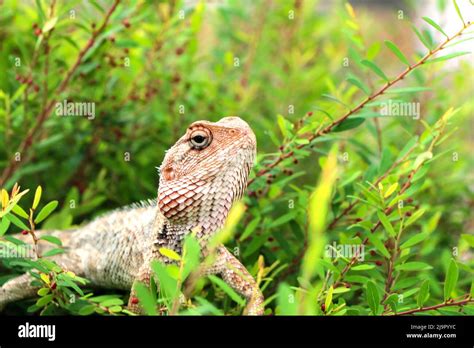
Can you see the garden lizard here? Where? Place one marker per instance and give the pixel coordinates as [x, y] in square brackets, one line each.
[200, 178]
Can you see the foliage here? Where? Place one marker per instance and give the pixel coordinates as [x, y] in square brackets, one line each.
[349, 211]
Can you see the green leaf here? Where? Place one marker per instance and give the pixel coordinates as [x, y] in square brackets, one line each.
[424, 293]
[411, 220]
[87, 310]
[434, 25]
[145, 298]
[349, 123]
[37, 198]
[362, 267]
[372, 66]
[414, 240]
[335, 99]
[284, 125]
[446, 57]
[359, 84]
[16, 221]
[4, 224]
[458, 12]
[49, 24]
[328, 301]
[451, 279]
[20, 211]
[373, 297]
[43, 291]
[377, 243]
[227, 289]
[422, 38]
[52, 239]
[250, 228]
[52, 252]
[286, 302]
[171, 254]
[397, 52]
[112, 302]
[43, 301]
[47, 209]
[386, 223]
[407, 90]
[413, 266]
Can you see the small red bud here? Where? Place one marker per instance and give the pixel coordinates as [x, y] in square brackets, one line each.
[53, 285]
[348, 285]
[134, 300]
[323, 307]
[373, 253]
[410, 200]
[24, 232]
[36, 88]
[310, 113]
[379, 263]
[126, 23]
[38, 31]
[408, 213]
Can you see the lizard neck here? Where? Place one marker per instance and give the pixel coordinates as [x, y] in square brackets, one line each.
[205, 219]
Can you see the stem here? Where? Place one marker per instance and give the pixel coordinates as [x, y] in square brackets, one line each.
[441, 305]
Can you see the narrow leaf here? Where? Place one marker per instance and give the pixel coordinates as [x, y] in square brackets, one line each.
[386, 223]
[451, 279]
[37, 198]
[47, 209]
[424, 293]
[397, 51]
[171, 254]
[434, 25]
[373, 297]
[372, 66]
[446, 57]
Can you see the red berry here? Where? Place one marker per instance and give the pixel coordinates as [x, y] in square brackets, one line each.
[38, 31]
[53, 285]
[24, 232]
[323, 308]
[378, 263]
[134, 300]
[408, 213]
[310, 113]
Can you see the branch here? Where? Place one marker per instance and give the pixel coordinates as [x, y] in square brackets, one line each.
[46, 111]
[441, 305]
[361, 105]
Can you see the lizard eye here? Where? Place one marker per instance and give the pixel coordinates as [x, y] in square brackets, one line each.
[200, 138]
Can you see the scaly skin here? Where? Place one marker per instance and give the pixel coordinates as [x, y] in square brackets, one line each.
[200, 178]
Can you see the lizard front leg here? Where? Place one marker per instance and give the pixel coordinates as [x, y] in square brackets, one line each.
[143, 276]
[236, 275]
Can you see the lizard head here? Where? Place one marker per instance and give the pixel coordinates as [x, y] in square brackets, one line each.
[206, 171]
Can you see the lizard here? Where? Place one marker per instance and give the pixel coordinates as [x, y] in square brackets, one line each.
[201, 176]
